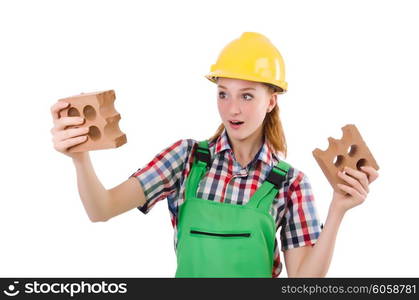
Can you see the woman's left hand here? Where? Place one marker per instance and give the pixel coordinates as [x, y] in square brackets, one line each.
[356, 191]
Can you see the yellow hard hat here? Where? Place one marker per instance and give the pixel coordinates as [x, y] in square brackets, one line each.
[251, 57]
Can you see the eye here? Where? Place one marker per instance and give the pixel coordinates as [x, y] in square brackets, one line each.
[248, 96]
[221, 95]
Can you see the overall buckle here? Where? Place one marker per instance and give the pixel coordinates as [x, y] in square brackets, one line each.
[277, 177]
[202, 154]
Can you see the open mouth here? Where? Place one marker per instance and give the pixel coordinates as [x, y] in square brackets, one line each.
[236, 122]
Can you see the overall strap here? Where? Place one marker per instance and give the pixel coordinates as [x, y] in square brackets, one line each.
[265, 194]
[202, 160]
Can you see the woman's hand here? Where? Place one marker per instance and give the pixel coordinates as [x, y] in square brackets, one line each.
[64, 137]
[356, 190]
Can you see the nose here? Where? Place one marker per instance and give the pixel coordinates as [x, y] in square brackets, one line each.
[235, 106]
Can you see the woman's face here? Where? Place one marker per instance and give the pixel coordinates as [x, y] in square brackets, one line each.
[244, 101]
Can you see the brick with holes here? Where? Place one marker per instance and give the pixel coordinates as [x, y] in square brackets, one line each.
[350, 151]
[101, 118]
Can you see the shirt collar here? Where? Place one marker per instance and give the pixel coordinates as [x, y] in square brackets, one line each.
[265, 153]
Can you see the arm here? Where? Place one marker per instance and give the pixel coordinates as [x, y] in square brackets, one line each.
[314, 261]
[99, 203]
[158, 181]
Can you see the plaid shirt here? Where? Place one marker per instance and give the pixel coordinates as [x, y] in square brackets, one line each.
[293, 208]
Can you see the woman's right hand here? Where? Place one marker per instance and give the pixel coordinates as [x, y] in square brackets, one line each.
[63, 137]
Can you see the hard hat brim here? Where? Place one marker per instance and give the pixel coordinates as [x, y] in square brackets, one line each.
[282, 85]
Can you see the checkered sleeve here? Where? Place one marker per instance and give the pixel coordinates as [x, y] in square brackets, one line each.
[161, 176]
[300, 224]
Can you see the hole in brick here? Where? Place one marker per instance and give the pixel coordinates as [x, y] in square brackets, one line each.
[362, 162]
[89, 112]
[94, 133]
[338, 160]
[352, 150]
[73, 112]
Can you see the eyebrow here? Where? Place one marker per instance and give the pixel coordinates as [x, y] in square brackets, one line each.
[244, 89]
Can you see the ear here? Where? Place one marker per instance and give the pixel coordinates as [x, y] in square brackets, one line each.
[272, 101]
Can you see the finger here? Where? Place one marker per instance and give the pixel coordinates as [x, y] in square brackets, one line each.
[361, 185]
[69, 133]
[62, 123]
[351, 191]
[64, 145]
[372, 173]
[56, 108]
[361, 176]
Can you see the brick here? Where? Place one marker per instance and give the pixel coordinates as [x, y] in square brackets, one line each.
[350, 151]
[101, 118]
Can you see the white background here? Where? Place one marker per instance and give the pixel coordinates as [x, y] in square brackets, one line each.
[347, 62]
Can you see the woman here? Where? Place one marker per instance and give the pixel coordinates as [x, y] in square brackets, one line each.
[230, 194]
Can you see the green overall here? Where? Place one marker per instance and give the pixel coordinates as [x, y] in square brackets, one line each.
[217, 239]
